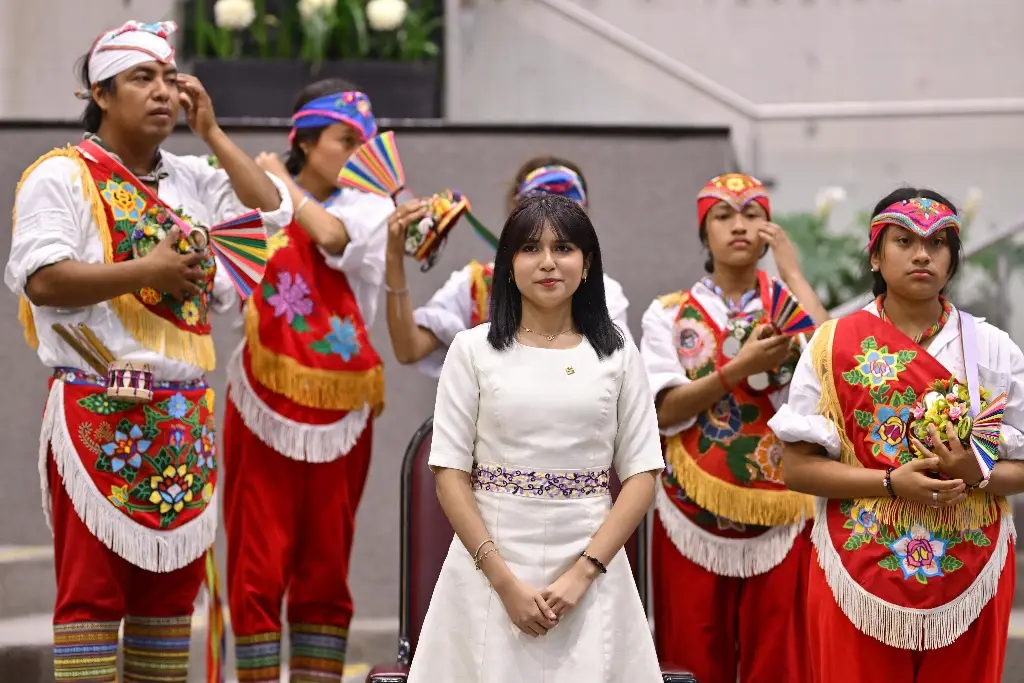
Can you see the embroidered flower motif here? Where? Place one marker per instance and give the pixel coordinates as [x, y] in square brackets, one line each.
[343, 338]
[206, 448]
[723, 421]
[209, 396]
[919, 553]
[190, 313]
[176, 436]
[878, 367]
[118, 495]
[177, 406]
[889, 431]
[276, 241]
[768, 458]
[864, 521]
[696, 343]
[207, 492]
[291, 298]
[172, 489]
[126, 449]
[150, 296]
[124, 200]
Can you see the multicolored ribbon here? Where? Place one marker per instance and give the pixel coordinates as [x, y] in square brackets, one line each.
[349, 107]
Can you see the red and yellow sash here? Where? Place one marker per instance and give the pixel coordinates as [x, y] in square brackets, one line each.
[305, 335]
[905, 554]
[729, 463]
[480, 281]
[131, 220]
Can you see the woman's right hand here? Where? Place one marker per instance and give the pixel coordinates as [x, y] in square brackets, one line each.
[399, 221]
[527, 609]
[763, 351]
[911, 481]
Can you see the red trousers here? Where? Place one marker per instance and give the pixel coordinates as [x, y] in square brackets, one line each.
[96, 589]
[839, 653]
[290, 527]
[720, 627]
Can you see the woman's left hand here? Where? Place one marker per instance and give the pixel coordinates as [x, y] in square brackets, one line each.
[568, 589]
[956, 461]
[787, 259]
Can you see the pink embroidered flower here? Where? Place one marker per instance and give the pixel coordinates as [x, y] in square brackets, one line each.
[291, 298]
[919, 553]
[695, 343]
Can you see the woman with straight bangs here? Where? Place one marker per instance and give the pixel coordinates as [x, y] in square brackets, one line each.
[533, 409]
[905, 420]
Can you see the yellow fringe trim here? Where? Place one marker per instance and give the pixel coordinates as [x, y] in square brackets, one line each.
[737, 503]
[311, 387]
[476, 277]
[673, 299]
[979, 510]
[148, 329]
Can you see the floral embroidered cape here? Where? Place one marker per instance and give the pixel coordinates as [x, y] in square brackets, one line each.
[890, 556]
[305, 335]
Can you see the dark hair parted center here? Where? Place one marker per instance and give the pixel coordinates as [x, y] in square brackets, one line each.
[570, 223]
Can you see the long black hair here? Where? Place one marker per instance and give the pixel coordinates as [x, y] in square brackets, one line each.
[92, 117]
[878, 283]
[296, 158]
[570, 223]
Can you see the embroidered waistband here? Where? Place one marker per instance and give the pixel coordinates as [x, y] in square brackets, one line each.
[554, 485]
[76, 376]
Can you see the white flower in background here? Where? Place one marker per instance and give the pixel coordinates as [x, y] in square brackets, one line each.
[309, 8]
[971, 204]
[386, 15]
[234, 15]
[827, 198]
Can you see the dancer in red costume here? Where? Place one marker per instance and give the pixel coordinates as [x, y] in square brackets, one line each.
[730, 545]
[129, 488]
[422, 335]
[913, 568]
[304, 389]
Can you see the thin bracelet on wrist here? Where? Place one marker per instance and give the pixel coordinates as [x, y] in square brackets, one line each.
[396, 292]
[887, 482]
[596, 562]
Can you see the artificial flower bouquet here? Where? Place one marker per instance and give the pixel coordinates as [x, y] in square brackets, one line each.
[947, 401]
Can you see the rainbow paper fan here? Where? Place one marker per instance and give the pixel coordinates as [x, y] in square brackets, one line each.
[241, 246]
[985, 434]
[376, 168]
[787, 315]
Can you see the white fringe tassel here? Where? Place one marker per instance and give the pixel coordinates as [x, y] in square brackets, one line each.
[904, 627]
[150, 549]
[298, 441]
[736, 557]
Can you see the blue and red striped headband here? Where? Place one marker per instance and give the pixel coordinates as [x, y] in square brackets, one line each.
[350, 107]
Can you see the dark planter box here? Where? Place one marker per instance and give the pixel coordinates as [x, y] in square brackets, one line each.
[267, 89]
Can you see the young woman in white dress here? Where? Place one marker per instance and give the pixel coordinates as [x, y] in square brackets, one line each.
[533, 409]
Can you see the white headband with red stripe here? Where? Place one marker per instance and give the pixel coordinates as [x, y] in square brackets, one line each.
[130, 45]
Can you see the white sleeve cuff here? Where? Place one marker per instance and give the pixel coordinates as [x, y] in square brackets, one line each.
[791, 427]
[660, 381]
[443, 323]
[40, 257]
[449, 461]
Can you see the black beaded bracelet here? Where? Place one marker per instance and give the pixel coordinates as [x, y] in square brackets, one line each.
[888, 482]
[596, 562]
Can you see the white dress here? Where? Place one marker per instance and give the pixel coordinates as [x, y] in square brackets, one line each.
[516, 417]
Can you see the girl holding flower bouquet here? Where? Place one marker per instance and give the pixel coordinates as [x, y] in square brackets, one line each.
[905, 420]
[303, 391]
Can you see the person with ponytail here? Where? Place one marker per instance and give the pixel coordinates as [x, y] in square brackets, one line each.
[423, 335]
[905, 421]
[117, 286]
[729, 546]
[303, 391]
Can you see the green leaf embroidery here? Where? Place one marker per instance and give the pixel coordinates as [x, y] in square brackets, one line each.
[868, 345]
[981, 540]
[736, 456]
[904, 357]
[748, 413]
[848, 524]
[896, 400]
[879, 395]
[853, 543]
[846, 506]
[128, 473]
[167, 518]
[909, 397]
[299, 324]
[921, 578]
[142, 490]
[855, 377]
[950, 563]
[704, 444]
[905, 456]
[100, 404]
[691, 313]
[702, 371]
[864, 418]
[268, 290]
[321, 346]
[153, 418]
[124, 425]
[890, 562]
[162, 461]
[125, 247]
[103, 464]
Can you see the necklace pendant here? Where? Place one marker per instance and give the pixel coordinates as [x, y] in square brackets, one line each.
[569, 370]
[550, 337]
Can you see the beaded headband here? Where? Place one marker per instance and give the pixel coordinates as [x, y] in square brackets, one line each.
[922, 216]
[735, 189]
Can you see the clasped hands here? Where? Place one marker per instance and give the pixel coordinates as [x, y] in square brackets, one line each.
[537, 612]
[912, 481]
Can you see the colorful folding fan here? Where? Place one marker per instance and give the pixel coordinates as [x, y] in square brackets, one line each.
[241, 246]
[376, 168]
[985, 434]
[785, 313]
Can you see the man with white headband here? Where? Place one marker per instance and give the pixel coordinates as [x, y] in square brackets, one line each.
[107, 280]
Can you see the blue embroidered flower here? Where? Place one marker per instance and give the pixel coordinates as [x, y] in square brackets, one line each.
[723, 421]
[889, 431]
[919, 553]
[126, 449]
[177, 406]
[206, 449]
[343, 338]
[878, 367]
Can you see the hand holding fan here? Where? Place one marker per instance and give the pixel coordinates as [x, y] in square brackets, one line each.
[376, 168]
[240, 245]
[785, 313]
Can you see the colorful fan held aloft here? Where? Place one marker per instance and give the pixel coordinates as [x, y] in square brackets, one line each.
[376, 168]
[425, 240]
[785, 313]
